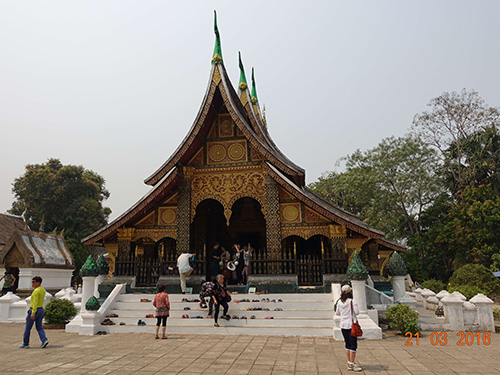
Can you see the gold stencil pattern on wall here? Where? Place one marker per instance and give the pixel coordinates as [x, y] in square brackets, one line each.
[226, 152]
[314, 217]
[290, 213]
[227, 188]
[167, 215]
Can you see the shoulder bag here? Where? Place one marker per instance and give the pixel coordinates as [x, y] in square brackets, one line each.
[356, 330]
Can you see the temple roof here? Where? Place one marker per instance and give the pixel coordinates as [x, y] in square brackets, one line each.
[8, 223]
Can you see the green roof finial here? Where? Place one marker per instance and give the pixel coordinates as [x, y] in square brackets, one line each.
[357, 270]
[217, 56]
[254, 90]
[243, 79]
[396, 266]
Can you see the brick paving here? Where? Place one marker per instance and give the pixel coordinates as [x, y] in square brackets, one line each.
[130, 353]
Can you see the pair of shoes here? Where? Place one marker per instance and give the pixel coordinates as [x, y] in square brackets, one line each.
[356, 368]
[252, 317]
[187, 308]
[243, 317]
[141, 323]
[184, 300]
[235, 317]
[112, 316]
[150, 316]
[22, 346]
[145, 300]
[278, 309]
[185, 316]
[107, 322]
[122, 323]
[216, 325]
[98, 333]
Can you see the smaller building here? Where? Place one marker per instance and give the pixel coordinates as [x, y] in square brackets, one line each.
[27, 253]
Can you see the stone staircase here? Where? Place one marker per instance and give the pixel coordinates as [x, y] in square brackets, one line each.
[303, 314]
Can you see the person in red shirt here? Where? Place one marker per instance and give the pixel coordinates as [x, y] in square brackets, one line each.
[162, 305]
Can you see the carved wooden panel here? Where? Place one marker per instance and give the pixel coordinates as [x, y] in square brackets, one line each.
[256, 155]
[197, 159]
[227, 152]
[167, 215]
[226, 126]
[227, 186]
[314, 217]
[285, 195]
[290, 213]
[149, 219]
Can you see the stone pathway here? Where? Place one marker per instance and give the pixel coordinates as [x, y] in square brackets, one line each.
[130, 353]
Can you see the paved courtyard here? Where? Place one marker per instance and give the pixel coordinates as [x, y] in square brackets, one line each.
[129, 353]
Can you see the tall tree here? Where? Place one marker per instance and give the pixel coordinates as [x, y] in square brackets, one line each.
[453, 119]
[388, 186]
[66, 197]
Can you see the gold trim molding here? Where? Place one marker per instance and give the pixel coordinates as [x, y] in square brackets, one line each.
[305, 232]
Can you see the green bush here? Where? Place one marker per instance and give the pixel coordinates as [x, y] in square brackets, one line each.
[435, 285]
[412, 327]
[403, 318]
[496, 313]
[475, 275]
[59, 311]
[468, 291]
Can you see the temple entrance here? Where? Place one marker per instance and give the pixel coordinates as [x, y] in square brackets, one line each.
[308, 256]
[247, 225]
[208, 227]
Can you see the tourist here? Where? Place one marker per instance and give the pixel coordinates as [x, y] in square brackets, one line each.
[8, 282]
[35, 314]
[184, 268]
[220, 296]
[240, 265]
[346, 308]
[246, 258]
[162, 312]
[215, 258]
[225, 260]
[207, 289]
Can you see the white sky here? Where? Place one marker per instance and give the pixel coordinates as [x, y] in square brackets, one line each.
[115, 85]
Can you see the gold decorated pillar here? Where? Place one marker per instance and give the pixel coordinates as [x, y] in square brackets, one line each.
[125, 242]
[184, 211]
[273, 227]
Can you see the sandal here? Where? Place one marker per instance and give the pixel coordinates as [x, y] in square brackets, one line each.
[157, 337]
[164, 337]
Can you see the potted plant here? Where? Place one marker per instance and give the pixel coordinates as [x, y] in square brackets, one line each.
[58, 312]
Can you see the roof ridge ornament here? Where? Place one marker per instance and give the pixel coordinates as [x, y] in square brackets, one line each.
[243, 79]
[217, 56]
[254, 89]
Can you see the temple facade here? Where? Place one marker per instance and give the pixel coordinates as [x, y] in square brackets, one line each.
[229, 183]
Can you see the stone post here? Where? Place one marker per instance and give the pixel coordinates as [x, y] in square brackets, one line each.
[87, 290]
[484, 312]
[426, 293]
[398, 287]
[98, 280]
[5, 303]
[453, 312]
[359, 294]
[418, 294]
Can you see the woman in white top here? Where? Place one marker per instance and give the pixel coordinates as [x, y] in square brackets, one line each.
[345, 307]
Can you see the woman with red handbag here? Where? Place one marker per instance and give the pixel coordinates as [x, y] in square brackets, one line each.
[347, 308]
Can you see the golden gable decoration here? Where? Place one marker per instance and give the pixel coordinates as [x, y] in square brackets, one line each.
[290, 213]
[227, 186]
[305, 232]
[226, 127]
[227, 152]
[256, 155]
[171, 200]
[285, 195]
[167, 215]
[155, 234]
[314, 217]
[216, 77]
[148, 220]
[197, 159]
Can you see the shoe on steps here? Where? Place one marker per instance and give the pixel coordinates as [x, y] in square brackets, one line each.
[216, 325]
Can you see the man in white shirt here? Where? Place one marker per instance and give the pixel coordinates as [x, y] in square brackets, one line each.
[184, 269]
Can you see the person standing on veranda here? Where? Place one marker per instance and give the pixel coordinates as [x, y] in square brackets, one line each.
[346, 308]
[35, 314]
[184, 269]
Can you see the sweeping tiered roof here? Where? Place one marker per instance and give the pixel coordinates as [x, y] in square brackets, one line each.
[243, 107]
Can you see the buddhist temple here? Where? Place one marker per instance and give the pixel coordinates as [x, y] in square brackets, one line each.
[228, 182]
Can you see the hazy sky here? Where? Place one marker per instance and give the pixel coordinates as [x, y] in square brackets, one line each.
[115, 85]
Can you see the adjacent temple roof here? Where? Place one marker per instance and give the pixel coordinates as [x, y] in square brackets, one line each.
[33, 249]
[244, 110]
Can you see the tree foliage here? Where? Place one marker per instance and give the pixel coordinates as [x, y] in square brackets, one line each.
[388, 186]
[65, 197]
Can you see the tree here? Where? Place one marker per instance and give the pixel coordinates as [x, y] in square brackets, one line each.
[453, 119]
[64, 197]
[388, 186]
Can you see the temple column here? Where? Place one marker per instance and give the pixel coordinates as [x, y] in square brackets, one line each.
[184, 213]
[125, 242]
[273, 227]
